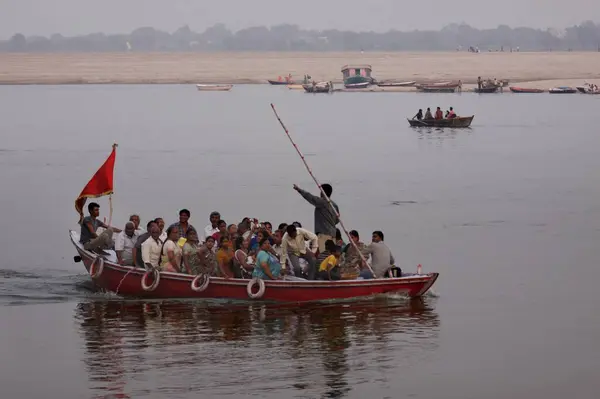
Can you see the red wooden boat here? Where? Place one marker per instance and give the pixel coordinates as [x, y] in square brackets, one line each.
[525, 90]
[136, 282]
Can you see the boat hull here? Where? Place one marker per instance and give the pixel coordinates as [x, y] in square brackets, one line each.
[319, 88]
[525, 90]
[361, 85]
[486, 90]
[201, 87]
[562, 90]
[458, 122]
[280, 82]
[396, 84]
[438, 89]
[127, 281]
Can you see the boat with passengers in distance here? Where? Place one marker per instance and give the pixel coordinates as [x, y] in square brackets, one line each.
[134, 282]
[458, 122]
[357, 76]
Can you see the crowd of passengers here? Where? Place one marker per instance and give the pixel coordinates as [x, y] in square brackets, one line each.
[242, 250]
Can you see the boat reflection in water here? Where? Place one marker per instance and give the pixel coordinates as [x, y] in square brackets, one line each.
[179, 349]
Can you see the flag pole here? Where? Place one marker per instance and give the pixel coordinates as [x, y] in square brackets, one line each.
[323, 192]
[110, 204]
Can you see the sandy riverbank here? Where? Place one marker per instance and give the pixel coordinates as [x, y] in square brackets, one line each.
[543, 69]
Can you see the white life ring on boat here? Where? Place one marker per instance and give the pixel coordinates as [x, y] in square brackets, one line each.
[205, 281]
[261, 288]
[151, 287]
[99, 261]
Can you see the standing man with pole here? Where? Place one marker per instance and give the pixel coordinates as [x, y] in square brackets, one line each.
[325, 217]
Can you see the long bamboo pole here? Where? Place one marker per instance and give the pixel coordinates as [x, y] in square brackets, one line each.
[322, 192]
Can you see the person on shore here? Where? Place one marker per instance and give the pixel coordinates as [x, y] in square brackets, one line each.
[419, 115]
[459, 87]
[151, 249]
[293, 246]
[329, 268]
[479, 83]
[325, 216]
[213, 226]
[266, 267]
[125, 243]
[381, 257]
[439, 114]
[170, 260]
[137, 249]
[89, 225]
[428, 115]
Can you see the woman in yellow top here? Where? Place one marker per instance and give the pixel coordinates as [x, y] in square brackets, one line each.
[330, 269]
[170, 260]
[225, 257]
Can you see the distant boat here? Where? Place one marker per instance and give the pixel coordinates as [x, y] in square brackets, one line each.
[458, 122]
[525, 90]
[483, 90]
[321, 87]
[562, 90]
[205, 87]
[357, 76]
[438, 89]
[396, 84]
[281, 82]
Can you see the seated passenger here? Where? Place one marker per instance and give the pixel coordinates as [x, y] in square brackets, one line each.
[381, 257]
[351, 257]
[191, 259]
[266, 266]
[137, 249]
[89, 225]
[151, 248]
[125, 243]
[224, 258]
[221, 231]
[171, 252]
[241, 266]
[207, 258]
[329, 269]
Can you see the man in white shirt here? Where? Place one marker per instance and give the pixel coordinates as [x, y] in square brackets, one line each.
[124, 244]
[213, 227]
[293, 246]
[136, 222]
[151, 248]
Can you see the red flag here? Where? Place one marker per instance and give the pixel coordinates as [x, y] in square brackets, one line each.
[100, 184]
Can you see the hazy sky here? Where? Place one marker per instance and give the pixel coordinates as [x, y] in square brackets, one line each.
[71, 17]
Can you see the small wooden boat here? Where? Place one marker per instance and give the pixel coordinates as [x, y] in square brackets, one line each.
[458, 122]
[562, 90]
[489, 89]
[128, 281]
[280, 82]
[396, 84]
[438, 89]
[525, 90]
[321, 87]
[203, 87]
[361, 85]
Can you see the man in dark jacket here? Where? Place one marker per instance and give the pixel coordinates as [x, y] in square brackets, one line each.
[325, 217]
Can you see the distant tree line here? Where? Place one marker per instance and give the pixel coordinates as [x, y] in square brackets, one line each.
[585, 36]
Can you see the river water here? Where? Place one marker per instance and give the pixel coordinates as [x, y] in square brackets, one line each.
[507, 211]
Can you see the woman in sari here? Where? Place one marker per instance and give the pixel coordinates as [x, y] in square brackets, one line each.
[241, 267]
[266, 267]
[207, 258]
[191, 259]
[171, 252]
[224, 257]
